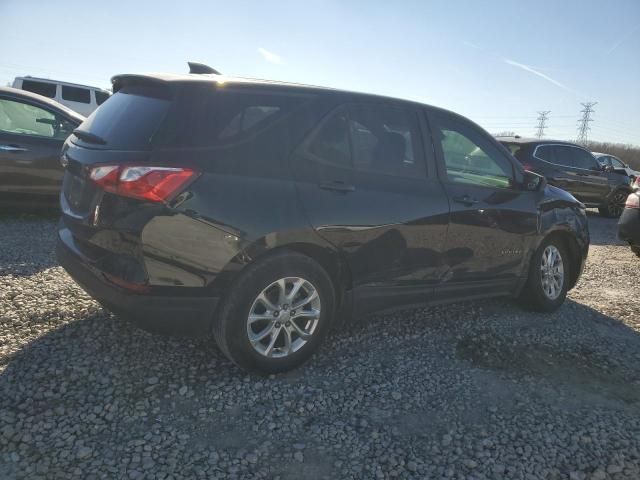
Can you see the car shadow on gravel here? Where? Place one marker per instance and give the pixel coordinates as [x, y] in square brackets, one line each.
[577, 367]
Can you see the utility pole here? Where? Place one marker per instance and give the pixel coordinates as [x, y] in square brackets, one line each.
[583, 123]
[542, 122]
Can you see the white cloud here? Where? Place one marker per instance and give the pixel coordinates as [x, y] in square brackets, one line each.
[270, 56]
[527, 68]
[472, 45]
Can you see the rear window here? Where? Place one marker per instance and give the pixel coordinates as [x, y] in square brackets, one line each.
[41, 88]
[130, 117]
[76, 94]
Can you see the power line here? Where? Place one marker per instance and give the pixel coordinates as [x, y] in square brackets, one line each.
[583, 123]
[542, 122]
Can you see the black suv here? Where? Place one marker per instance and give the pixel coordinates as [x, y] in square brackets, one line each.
[266, 213]
[574, 169]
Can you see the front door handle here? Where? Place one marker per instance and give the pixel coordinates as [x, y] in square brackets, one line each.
[466, 200]
[13, 148]
[337, 187]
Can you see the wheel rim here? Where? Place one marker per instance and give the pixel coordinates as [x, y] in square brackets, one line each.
[551, 272]
[616, 204]
[284, 317]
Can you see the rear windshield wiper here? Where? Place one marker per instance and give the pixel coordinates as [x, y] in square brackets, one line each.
[89, 137]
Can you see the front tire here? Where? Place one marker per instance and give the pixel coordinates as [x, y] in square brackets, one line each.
[548, 280]
[615, 204]
[276, 315]
[636, 249]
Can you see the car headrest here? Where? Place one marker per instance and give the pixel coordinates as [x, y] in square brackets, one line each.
[390, 149]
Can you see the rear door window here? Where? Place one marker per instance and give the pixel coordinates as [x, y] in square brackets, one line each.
[41, 88]
[386, 139]
[76, 94]
[329, 144]
[546, 153]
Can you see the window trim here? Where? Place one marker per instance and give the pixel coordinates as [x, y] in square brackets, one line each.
[441, 167]
[36, 104]
[535, 150]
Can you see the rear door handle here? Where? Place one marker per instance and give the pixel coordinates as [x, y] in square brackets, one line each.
[466, 200]
[337, 187]
[13, 148]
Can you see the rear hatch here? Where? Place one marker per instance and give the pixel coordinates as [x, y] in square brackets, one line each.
[119, 132]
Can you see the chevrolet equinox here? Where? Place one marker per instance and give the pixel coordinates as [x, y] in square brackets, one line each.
[266, 213]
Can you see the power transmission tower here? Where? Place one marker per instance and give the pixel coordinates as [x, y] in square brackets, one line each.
[583, 123]
[542, 122]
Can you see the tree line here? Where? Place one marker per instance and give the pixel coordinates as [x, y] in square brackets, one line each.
[629, 154]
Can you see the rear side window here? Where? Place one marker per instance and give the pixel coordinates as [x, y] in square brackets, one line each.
[130, 118]
[385, 139]
[206, 117]
[41, 88]
[76, 94]
[101, 97]
[546, 153]
[330, 143]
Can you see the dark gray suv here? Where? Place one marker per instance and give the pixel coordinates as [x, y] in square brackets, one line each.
[572, 168]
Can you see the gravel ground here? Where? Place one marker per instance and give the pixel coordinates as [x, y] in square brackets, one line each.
[468, 391]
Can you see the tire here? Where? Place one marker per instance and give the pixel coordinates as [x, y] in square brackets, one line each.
[534, 294]
[231, 327]
[615, 204]
[636, 249]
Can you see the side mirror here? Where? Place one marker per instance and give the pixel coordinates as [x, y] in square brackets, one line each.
[532, 182]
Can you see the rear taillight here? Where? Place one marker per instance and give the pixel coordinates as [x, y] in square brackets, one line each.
[633, 201]
[636, 184]
[154, 184]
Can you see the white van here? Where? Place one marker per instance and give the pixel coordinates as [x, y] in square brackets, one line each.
[81, 98]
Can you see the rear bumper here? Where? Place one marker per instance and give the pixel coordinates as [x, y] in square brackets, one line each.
[629, 226]
[181, 315]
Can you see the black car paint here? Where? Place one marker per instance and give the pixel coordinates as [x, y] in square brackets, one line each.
[31, 173]
[386, 242]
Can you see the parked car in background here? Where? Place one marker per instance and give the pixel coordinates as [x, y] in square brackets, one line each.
[80, 98]
[629, 223]
[574, 169]
[266, 212]
[32, 131]
[618, 165]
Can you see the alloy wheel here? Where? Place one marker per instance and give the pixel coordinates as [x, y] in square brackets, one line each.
[283, 317]
[616, 203]
[551, 272]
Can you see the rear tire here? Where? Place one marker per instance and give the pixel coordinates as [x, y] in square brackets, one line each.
[615, 204]
[548, 278]
[265, 324]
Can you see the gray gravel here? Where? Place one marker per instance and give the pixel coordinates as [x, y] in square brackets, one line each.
[469, 391]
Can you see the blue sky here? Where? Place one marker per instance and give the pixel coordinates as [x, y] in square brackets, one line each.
[497, 62]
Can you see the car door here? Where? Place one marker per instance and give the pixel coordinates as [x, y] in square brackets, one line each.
[31, 137]
[364, 184]
[588, 182]
[493, 220]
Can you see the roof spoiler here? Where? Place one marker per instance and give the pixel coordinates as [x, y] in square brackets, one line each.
[201, 68]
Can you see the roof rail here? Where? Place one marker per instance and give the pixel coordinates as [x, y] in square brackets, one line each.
[201, 68]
